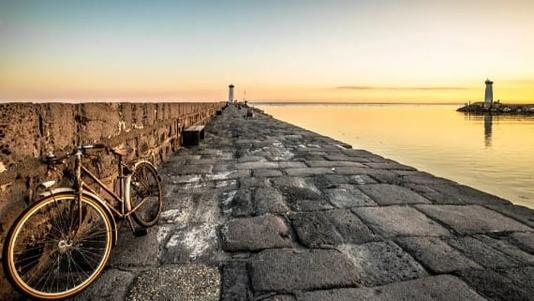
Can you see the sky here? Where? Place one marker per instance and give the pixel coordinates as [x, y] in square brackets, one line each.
[276, 50]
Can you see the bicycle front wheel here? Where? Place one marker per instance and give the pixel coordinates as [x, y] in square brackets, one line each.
[145, 193]
[58, 246]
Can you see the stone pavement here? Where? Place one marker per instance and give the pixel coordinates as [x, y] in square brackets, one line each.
[264, 210]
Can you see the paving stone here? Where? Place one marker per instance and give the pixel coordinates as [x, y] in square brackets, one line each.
[389, 165]
[436, 288]
[521, 276]
[267, 173]
[330, 181]
[507, 248]
[468, 195]
[235, 283]
[395, 221]
[269, 200]
[436, 254]
[276, 270]
[326, 163]
[434, 196]
[194, 169]
[523, 240]
[384, 262]
[427, 179]
[280, 298]
[520, 213]
[291, 164]
[361, 179]
[386, 194]
[111, 285]
[348, 196]
[251, 159]
[298, 205]
[493, 285]
[256, 165]
[315, 230]
[241, 204]
[482, 253]
[309, 171]
[349, 226]
[256, 233]
[185, 282]
[472, 219]
[343, 157]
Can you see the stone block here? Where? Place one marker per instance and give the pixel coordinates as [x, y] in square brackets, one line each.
[436, 288]
[257, 165]
[468, 195]
[269, 200]
[482, 253]
[235, 282]
[524, 240]
[331, 227]
[330, 164]
[309, 171]
[386, 194]
[493, 285]
[256, 233]
[395, 221]
[267, 173]
[380, 263]
[348, 196]
[472, 219]
[436, 254]
[289, 270]
[520, 213]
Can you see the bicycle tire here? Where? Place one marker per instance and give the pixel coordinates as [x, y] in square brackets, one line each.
[78, 265]
[145, 183]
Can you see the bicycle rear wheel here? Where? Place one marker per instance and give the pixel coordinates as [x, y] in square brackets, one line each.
[58, 246]
[145, 187]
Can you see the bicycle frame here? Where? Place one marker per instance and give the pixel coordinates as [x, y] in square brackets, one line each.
[123, 196]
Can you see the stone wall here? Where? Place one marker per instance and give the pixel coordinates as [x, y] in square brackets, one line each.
[30, 131]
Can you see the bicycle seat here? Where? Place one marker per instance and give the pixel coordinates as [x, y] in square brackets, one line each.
[122, 152]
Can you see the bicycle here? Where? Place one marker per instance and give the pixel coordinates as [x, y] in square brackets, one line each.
[60, 244]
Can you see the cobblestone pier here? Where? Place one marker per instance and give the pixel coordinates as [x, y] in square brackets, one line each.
[264, 210]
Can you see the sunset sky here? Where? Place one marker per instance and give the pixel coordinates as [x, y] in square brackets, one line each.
[288, 50]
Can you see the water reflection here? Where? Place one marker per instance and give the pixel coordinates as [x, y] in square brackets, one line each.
[488, 124]
[434, 138]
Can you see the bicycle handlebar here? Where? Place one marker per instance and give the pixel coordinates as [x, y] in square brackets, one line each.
[52, 159]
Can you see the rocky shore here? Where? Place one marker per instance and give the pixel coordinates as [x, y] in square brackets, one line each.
[498, 108]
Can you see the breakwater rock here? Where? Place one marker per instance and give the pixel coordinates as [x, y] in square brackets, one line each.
[498, 108]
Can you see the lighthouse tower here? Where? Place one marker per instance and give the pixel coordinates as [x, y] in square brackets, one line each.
[230, 93]
[488, 94]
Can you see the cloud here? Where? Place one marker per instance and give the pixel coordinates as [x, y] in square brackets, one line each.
[400, 88]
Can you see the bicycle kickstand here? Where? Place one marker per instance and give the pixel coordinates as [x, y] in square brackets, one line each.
[137, 232]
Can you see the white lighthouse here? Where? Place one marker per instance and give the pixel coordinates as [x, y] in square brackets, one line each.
[488, 94]
[230, 93]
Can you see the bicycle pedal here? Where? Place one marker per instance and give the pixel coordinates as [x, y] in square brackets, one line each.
[140, 232]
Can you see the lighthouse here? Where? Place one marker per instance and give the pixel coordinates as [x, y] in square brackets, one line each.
[230, 93]
[488, 94]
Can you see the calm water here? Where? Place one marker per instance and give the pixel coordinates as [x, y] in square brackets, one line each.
[493, 154]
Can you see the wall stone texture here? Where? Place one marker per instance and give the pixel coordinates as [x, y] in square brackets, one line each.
[29, 131]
